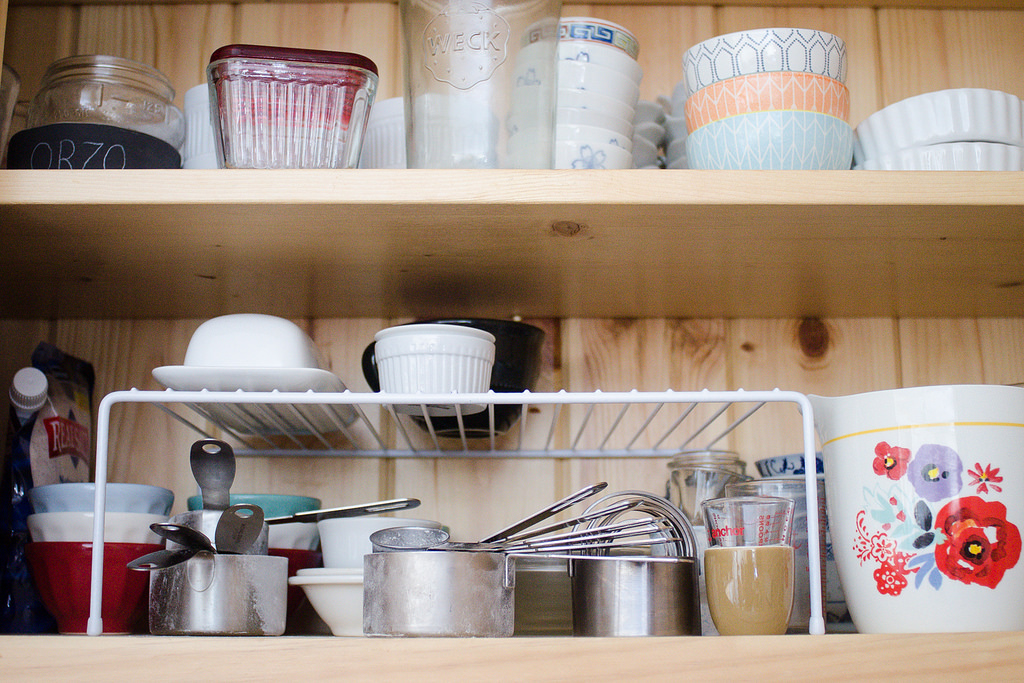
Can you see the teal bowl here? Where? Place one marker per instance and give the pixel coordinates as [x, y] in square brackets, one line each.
[273, 504]
[772, 140]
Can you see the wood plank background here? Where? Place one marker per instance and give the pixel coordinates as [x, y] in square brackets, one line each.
[894, 53]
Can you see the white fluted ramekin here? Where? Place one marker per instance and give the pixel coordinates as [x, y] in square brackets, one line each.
[953, 115]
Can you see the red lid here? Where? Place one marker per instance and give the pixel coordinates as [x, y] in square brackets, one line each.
[291, 54]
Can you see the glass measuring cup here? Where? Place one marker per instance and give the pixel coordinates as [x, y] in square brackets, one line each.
[749, 563]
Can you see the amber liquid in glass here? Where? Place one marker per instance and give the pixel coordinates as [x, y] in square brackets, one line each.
[750, 588]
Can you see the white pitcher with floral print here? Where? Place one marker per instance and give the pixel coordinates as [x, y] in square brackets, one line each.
[925, 493]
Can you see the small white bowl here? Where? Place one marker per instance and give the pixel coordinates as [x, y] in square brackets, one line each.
[590, 52]
[337, 599]
[951, 156]
[591, 156]
[80, 497]
[677, 163]
[649, 112]
[567, 132]
[645, 152]
[251, 340]
[675, 127]
[593, 117]
[344, 540]
[595, 101]
[786, 465]
[954, 115]
[679, 97]
[200, 150]
[294, 535]
[652, 132]
[598, 79]
[431, 358]
[76, 527]
[599, 31]
[384, 140]
[761, 51]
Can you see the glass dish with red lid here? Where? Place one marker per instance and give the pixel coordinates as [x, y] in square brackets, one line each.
[279, 107]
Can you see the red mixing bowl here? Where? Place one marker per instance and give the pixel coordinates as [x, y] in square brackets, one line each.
[62, 573]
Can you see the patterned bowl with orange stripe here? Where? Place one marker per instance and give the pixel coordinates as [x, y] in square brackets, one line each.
[773, 91]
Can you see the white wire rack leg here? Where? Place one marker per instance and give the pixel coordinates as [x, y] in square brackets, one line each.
[557, 400]
[94, 626]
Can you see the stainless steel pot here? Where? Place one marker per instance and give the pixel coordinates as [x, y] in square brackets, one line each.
[543, 600]
[634, 596]
[439, 593]
[218, 594]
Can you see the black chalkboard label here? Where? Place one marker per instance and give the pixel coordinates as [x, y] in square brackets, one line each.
[88, 145]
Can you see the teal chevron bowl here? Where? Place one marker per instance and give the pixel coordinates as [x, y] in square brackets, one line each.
[772, 140]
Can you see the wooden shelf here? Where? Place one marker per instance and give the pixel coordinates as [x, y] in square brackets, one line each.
[990, 656]
[924, 4]
[139, 244]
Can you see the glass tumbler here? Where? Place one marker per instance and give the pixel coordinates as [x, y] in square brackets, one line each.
[749, 564]
[480, 82]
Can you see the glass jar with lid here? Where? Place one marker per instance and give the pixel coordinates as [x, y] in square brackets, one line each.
[92, 110]
[695, 476]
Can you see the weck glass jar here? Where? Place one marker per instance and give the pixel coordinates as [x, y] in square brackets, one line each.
[101, 111]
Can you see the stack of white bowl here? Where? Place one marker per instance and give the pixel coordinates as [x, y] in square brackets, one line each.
[772, 98]
[598, 90]
[960, 129]
[675, 127]
[648, 134]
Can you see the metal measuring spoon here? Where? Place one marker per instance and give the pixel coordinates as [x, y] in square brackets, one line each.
[183, 535]
[162, 559]
[213, 466]
[313, 516]
[238, 528]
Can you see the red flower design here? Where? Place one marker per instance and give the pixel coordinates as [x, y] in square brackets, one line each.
[891, 577]
[980, 544]
[985, 479]
[890, 461]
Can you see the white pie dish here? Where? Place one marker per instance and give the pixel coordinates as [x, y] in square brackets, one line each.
[953, 115]
[951, 156]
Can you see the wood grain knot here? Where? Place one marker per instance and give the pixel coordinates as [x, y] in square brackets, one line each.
[568, 228]
[813, 336]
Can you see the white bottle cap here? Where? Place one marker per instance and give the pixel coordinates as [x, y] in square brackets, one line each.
[28, 389]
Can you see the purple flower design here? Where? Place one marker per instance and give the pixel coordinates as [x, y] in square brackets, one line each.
[935, 472]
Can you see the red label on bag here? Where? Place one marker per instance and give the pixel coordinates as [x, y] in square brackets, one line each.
[66, 437]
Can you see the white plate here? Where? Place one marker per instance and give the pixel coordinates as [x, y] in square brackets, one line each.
[252, 418]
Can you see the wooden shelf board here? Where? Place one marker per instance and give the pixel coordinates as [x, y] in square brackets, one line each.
[887, 4]
[535, 243]
[991, 656]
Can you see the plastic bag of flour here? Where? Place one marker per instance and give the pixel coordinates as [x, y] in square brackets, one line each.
[49, 446]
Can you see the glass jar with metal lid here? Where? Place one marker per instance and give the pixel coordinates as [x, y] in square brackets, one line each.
[695, 476]
[110, 90]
